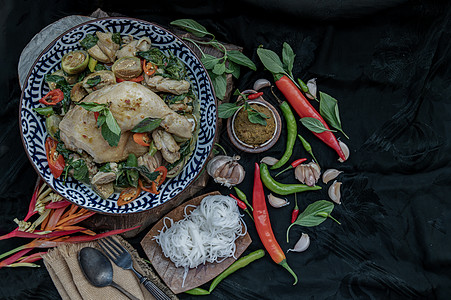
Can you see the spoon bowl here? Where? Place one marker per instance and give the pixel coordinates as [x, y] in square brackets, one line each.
[98, 269]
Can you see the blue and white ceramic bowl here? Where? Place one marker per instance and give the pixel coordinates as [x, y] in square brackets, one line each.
[33, 125]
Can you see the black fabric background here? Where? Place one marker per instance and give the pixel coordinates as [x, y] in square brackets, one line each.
[389, 65]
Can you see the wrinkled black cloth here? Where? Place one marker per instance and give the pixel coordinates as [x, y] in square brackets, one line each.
[389, 65]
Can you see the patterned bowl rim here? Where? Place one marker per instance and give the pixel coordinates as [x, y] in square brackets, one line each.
[49, 46]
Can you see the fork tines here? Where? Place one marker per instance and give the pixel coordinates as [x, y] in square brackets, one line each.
[111, 247]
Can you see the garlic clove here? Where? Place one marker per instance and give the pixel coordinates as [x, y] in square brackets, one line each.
[309, 177]
[299, 173]
[316, 170]
[261, 83]
[345, 150]
[334, 192]
[330, 174]
[276, 201]
[302, 244]
[270, 161]
[312, 88]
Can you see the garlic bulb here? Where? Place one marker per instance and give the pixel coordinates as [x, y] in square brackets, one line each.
[226, 170]
[308, 173]
[345, 150]
[302, 244]
[334, 192]
[270, 161]
[277, 202]
[330, 174]
[311, 84]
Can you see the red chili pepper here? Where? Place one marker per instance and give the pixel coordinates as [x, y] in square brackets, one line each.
[254, 96]
[96, 115]
[263, 225]
[304, 109]
[55, 160]
[149, 67]
[242, 205]
[52, 97]
[294, 164]
[295, 213]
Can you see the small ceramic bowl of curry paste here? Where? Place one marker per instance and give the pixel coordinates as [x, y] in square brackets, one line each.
[254, 137]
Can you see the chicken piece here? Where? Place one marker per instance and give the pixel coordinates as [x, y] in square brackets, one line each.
[107, 45]
[130, 49]
[167, 85]
[130, 103]
[167, 145]
[151, 162]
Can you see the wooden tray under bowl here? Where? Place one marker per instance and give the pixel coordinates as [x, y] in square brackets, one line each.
[166, 269]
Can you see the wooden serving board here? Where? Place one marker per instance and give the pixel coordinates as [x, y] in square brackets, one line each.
[172, 276]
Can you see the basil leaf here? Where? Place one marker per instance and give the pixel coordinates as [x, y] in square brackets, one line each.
[313, 215]
[101, 119]
[220, 85]
[328, 108]
[89, 41]
[191, 26]
[288, 57]
[116, 37]
[241, 59]
[219, 69]
[132, 173]
[59, 80]
[147, 125]
[44, 111]
[226, 110]
[112, 123]
[106, 168]
[154, 55]
[209, 61]
[256, 118]
[94, 81]
[109, 136]
[80, 170]
[92, 106]
[271, 61]
[99, 67]
[314, 125]
[152, 176]
[235, 69]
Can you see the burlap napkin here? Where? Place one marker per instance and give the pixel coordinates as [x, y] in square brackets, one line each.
[62, 264]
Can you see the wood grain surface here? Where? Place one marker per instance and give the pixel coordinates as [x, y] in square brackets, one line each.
[172, 276]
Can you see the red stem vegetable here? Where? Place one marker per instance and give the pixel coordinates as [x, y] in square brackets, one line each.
[294, 164]
[304, 109]
[263, 225]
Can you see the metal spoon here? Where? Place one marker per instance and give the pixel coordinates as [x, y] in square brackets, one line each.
[98, 269]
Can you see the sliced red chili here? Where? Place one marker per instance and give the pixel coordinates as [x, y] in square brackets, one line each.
[163, 173]
[52, 97]
[128, 195]
[149, 67]
[142, 138]
[55, 160]
[96, 115]
[152, 189]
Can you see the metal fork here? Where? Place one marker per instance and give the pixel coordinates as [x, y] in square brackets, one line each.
[122, 258]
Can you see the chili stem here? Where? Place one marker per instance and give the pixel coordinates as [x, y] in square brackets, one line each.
[222, 148]
[330, 216]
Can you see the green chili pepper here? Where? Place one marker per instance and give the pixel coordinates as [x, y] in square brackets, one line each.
[152, 149]
[303, 86]
[282, 188]
[292, 129]
[307, 148]
[240, 263]
[242, 197]
[197, 292]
